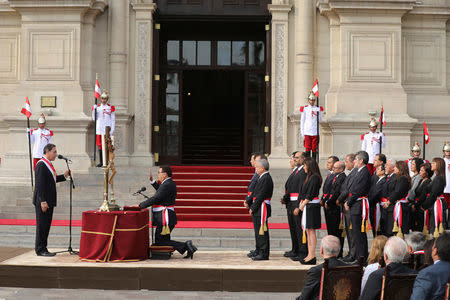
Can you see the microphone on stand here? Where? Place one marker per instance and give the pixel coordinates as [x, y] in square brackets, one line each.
[143, 189]
[65, 158]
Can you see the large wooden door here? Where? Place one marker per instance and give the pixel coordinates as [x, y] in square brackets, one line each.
[231, 62]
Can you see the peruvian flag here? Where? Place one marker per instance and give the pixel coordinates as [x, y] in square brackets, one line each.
[97, 91]
[382, 119]
[315, 88]
[425, 133]
[26, 109]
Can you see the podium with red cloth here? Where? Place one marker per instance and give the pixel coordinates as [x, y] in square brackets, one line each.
[114, 236]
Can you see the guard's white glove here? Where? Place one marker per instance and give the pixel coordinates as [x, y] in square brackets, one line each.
[112, 140]
[28, 130]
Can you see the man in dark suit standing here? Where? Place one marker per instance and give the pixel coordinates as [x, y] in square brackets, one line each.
[431, 282]
[251, 186]
[332, 206]
[164, 216]
[329, 250]
[375, 193]
[358, 204]
[291, 200]
[326, 190]
[349, 165]
[260, 209]
[395, 251]
[44, 197]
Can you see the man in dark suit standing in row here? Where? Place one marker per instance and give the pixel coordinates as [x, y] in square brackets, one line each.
[349, 165]
[163, 210]
[331, 203]
[291, 199]
[329, 249]
[260, 209]
[358, 204]
[44, 197]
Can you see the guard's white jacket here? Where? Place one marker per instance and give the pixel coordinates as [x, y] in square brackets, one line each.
[308, 121]
[371, 143]
[40, 138]
[106, 116]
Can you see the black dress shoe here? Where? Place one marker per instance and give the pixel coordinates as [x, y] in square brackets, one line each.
[296, 258]
[99, 165]
[252, 253]
[46, 253]
[260, 257]
[290, 254]
[190, 250]
[309, 262]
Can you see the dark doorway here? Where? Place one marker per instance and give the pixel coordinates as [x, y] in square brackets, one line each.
[213, 117]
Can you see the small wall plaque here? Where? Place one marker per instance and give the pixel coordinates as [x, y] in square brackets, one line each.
[48, 101]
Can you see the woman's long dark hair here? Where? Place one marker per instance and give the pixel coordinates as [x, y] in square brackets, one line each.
[313, 168]
[440, 166]
[404, 171]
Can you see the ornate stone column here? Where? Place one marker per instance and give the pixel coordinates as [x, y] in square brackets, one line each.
[304, 11]
[279, 82]
[143, 83]
[118, 54]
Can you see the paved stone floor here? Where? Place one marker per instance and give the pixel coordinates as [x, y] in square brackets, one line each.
[66, 294]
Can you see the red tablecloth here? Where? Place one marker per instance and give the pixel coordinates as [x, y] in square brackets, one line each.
[114, 236]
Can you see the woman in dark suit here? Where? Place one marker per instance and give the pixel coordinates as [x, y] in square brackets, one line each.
[417, 214]
[434, 194]
[398, 198]
[310, 205]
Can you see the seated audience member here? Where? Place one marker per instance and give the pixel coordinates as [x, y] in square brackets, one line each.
[431, 282]
[395, 251]
[329, 249]
[427, 249]
[375, 256]
[415, 241]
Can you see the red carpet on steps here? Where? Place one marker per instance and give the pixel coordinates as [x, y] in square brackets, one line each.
[212, 193]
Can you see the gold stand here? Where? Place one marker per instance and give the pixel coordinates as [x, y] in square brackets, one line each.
[108, 206]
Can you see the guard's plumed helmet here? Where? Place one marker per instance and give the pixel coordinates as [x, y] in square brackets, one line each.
[105, 95]
[446, 146]
[373, 123]
[416, 147]
[311, 96]
[41, 120]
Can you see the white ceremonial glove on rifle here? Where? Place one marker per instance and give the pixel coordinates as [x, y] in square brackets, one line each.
[112, 140]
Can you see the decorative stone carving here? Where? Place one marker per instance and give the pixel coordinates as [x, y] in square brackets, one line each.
[280, 95]
[142, 79]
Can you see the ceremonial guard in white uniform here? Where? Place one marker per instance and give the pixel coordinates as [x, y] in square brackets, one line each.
[371, 143]
[415, 150]
[106, 116]
[308, 125]
[40, 137]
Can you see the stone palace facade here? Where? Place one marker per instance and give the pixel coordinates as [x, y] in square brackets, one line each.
[366, 53]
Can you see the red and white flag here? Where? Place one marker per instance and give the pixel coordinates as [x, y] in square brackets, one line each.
[26, 109]
[315, 88]
[97, 91]
[425, 133]
[382, 119]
